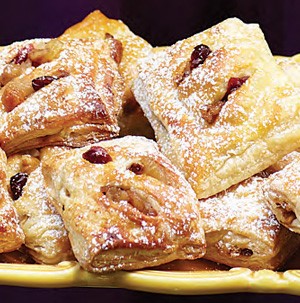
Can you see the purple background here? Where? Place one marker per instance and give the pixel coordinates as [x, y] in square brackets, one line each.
[161, 23]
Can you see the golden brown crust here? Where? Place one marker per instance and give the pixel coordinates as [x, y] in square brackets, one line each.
[45, 235]
[256, 126]
[11, 234]
[132, 120]
[71, 95]
[242, 231]
[132, 212]
[96, 26]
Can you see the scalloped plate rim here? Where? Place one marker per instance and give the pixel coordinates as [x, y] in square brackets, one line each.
[69, 274]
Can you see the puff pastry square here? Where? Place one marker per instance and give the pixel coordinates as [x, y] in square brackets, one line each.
[242, 231]
[11, 234]
[46, 238]
[96, 25]
[124, 205]
[282, 191]
[221, 107]
[58, 92]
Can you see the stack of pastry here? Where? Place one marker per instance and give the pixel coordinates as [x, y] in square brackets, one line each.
[83, 178]
[223, 110]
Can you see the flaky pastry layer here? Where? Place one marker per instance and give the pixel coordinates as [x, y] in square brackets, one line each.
[96, 25]
[46, 238]
[242, 231]
[133, 210]
[58, 92]
[216, 133]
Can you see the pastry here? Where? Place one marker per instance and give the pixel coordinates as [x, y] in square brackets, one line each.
[242, 231]
[291, 66]
[124, 205]
[46, 238]
[282, 163]
[13, 59]
[66, 92]
[282, 192]
[96, 25]
[11, 234]
[216, 111]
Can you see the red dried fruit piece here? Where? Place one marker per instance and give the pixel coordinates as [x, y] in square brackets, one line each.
[22, 54]
[233, 85]
[97, 155]
[17, 182]
[199, 55]
[42, 81]
[136, 168]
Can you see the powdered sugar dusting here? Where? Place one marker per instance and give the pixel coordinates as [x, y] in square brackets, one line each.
[90, 91]
[243, 210]
[114, 209]
[249, 117]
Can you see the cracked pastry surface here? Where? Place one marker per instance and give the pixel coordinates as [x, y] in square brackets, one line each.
[46, 238]
[221, 107]
[124, 204]
[242, 231]
[58, 92]
[11, 234]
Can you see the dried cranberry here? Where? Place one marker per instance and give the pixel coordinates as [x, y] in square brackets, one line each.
[22, 54]
[233, 85]
[97, 155]
[136, 168]
[40, 82]
[199, 55]
[17, 182]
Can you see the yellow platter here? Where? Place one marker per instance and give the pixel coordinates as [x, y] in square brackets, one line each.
[69, 274]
